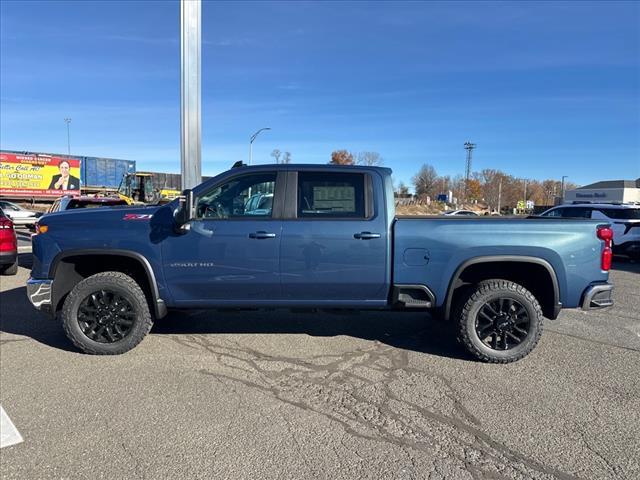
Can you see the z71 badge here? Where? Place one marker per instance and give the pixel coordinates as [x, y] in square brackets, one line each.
[138, 216]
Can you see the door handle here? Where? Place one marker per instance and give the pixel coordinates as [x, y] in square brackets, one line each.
[366, 235]
[261, 235]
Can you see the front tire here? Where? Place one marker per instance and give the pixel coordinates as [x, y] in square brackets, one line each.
[106, 314]
[499, 321]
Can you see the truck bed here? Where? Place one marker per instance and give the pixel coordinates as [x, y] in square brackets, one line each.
[429, 249]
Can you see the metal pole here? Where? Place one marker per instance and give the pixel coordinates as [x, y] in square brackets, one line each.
[251, 139]
[562, 189]
[499, 194]
[468, 146]
[68, 121]
[190, 117]
[525, 194]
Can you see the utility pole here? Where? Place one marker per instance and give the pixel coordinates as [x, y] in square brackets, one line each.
[190, 99]
[499, 194]
[525, 194]
[468, 146]
[251, 139]
[562, 189]
[68, 121]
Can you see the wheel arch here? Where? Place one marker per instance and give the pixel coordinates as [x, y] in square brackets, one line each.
[507, 267]
[71, 266]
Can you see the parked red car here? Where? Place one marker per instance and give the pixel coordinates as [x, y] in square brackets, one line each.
[8, 246]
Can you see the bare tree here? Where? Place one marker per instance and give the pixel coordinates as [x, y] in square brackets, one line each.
[370, 159]
[276, 154]
[286, 158]
[341, 157]
[425, 181]
[402, 190]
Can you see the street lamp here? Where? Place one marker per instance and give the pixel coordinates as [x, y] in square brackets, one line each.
[253, 137]
[68, 121]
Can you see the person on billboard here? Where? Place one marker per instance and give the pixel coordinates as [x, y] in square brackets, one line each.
[64, 181]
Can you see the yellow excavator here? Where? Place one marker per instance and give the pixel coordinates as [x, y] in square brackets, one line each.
[138, 188]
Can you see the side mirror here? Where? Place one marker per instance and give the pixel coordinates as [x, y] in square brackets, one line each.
[184, 213]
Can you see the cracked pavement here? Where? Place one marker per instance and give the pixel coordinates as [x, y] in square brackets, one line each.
[334, 395]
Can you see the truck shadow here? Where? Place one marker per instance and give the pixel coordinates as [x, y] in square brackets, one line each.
[414, 331]
[410, 331]
[18, 317]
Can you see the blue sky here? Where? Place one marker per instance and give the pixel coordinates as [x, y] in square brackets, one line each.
[544, 89]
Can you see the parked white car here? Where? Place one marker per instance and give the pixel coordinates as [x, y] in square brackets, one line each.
[467, 213]
[19, 215]
[624, 219]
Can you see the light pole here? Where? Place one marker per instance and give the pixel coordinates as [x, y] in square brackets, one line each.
[562, 189]
[253, 137]
[68, 121]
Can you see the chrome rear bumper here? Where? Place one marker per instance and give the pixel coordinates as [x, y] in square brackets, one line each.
[39, 294]
[597, 296]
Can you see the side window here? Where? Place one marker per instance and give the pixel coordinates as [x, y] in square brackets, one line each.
[331, 195]
[576, 212]
[622, 213]
[554, 213]
[245, 196]
[598, 215]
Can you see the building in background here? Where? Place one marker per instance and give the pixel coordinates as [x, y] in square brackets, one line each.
[607, 191]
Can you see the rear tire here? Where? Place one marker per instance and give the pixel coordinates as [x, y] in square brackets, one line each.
[106, 314]
[499, 321]
[11, 269]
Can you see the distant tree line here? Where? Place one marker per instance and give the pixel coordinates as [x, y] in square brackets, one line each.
[344, 157]
[281, 157]
[489, 186]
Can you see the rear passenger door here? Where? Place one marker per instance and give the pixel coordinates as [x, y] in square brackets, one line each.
[334, 246]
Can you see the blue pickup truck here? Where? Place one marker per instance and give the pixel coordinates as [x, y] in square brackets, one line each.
[313, 236]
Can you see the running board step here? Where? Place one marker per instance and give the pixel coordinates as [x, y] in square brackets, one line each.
[413, 296]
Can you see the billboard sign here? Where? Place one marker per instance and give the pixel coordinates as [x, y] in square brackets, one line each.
[38, 175]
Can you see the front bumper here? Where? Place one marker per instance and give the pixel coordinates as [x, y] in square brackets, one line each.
[597, 296]
[39, 294]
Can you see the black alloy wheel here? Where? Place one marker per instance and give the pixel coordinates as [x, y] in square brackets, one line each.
[498, 320]
[502, 324]
[105, 316]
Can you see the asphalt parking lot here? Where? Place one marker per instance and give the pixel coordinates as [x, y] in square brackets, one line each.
[298, 395]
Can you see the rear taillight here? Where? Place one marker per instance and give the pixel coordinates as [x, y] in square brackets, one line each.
[606, 234]
[8, 242]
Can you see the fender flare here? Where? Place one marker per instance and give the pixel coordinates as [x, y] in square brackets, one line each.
[159, 306]
[557, 305]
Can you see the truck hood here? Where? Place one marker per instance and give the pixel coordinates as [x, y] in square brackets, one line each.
[102, 214]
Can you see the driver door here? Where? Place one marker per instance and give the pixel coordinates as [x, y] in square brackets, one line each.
[231, 253]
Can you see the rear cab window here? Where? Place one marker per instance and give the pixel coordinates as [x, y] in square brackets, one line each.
[331, 195]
